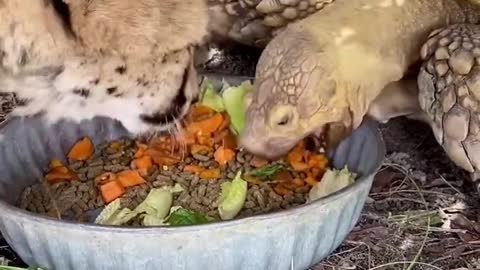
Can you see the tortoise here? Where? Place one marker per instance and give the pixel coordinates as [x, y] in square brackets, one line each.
[326, 64]
[321, 75]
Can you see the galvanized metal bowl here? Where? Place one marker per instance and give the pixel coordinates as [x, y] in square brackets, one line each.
[292, 239]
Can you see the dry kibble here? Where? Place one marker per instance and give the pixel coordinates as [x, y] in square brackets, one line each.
[199, 174]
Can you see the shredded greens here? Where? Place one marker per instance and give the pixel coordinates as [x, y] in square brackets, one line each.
[332, 181]
[231, 99]
[232, 197]
[153, 209]
[266, 173]
[184, 217]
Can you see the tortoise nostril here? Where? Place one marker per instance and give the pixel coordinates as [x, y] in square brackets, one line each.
[284, 120]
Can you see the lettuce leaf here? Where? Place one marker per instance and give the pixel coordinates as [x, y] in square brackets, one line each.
[232, 197]
[332, 181]
[211, 98]
[234, 102]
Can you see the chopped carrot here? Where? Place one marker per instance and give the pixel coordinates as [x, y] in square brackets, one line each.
[310, 180]
[226, 139]
[142, 164]
[198, 111]
[141, 148]
[258, 162]
[281, 190]
[306, 155]
[60, 169]
[224, 155]
[166, 160]
[206, 126]
[111, 191]
[162, 157]
[283, 176]
[82, 150]
[187, 139]
[130, 178]
[317, 173]
[225, 123]
[193, 169]
[210, 174]
[298, 182]
[205, 140]
[290, 185]
[55, 177]
[200, 149]
[105, 178]
[294, 157]
[299, 166]
[55, 163]
[318, 161]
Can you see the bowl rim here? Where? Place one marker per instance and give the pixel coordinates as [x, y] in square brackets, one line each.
[8, 209]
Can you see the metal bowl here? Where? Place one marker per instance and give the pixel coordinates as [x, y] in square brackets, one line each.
[293, 239]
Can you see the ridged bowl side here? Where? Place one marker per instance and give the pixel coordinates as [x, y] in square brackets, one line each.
[292, 239]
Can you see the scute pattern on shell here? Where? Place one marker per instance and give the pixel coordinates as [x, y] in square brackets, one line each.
[256, 22]
[449, 91]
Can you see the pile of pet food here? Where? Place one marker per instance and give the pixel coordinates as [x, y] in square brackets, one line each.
[195, 176]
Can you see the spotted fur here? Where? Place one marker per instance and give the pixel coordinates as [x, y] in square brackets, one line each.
[63, 74]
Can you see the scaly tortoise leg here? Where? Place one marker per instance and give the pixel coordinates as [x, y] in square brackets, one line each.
[449, 93]
[396, 99]
[256, 22]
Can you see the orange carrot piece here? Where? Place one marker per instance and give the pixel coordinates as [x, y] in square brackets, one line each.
[82, 150]
[130, 178]
[310, 180]
[193, 169]
[55, 163]
[294, 157]
[141, 148]
[198, 111]
[205, 140]
[166, 160]
[206, 126]
[281, 190]
[186, 138]
[60, 169]
[299, 166]
[258, 162]
[105, 178]
[223, 155]
[226, 139]
[298, 182]
[111, 191]
[55, 177]
[290, 185]
[162, 157]
[210, 174]
[200, 149]
[283, 176]
[225, 123]
[142, 164]
[318, 161]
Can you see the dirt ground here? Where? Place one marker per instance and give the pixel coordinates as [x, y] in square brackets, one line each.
[421, 212]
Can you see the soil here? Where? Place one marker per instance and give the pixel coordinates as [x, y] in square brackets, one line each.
[422, 212]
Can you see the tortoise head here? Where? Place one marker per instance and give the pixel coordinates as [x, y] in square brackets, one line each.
[296, 94]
